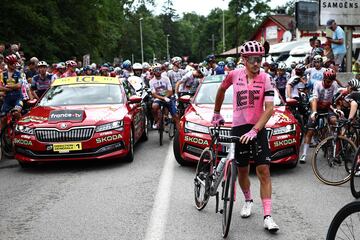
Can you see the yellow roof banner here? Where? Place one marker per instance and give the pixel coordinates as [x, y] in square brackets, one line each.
[85, 80]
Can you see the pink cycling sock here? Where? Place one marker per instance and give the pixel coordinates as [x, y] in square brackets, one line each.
[267, 206]
[247, 195]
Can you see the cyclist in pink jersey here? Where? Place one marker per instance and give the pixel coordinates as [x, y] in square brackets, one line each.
[252, 91]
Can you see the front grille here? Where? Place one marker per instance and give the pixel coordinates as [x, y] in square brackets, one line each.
[71, 135]
[222, 132]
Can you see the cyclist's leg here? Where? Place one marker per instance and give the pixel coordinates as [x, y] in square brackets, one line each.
[262, 162]
[242, 161]
[155, 110]
[173, 111]
[307, 140]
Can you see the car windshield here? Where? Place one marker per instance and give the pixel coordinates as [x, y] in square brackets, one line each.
[82, 94]
[207, 95]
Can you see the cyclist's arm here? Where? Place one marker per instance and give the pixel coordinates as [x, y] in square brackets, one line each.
[14, 87]
[219, 99]
[288, 90]
[265, 116]
[353, 109]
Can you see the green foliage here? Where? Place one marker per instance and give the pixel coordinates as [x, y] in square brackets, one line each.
[56, 30]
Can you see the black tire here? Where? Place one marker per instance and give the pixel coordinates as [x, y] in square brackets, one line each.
[177, 151]
[202, 180]
[330, 170]
[144, 136]
[130, 156]
[355, 177]
[345, 224]
[161, 130]
[6, 144]
[172, 130]
[228, 197]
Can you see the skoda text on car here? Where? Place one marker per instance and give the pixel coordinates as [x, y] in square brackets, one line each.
[195, 126]
[80, 118]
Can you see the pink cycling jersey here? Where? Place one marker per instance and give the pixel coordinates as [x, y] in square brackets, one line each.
[249, 98]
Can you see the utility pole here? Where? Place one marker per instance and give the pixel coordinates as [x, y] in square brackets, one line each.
[212, 39]
[223, 32]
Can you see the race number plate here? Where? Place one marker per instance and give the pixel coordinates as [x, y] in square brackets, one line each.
[66, 147]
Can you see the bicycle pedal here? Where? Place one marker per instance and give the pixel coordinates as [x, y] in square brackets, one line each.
[221, 211]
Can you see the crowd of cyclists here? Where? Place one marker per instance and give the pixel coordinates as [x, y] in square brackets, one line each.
[315, 77]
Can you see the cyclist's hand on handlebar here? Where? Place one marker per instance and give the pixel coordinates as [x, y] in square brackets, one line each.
[249, 136]
[217, 119]
[313, 116]
[166, 99]
[339, 113]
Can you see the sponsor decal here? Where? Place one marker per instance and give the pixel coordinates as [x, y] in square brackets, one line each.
[33, 119]
[106, 133]
[280, 118]
[196, 140]
[282, 137]
[66, 115]
[108, 138]
[25, 136]
[285, 142]
[22, 142]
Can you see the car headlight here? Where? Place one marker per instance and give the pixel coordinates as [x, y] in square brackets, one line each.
[109, 126]
[282, 130]
[193, 127]
[24, 130]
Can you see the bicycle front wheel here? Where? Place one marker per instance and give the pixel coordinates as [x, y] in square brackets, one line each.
[355, 176]
[332, 160]
[203, 179]
[346, 222]
[228, 196]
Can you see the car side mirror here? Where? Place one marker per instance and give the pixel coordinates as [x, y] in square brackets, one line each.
[185, 99]
[135, 99]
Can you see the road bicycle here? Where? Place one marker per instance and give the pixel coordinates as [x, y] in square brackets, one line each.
[333, 157]
[346, 223]
[210, 173]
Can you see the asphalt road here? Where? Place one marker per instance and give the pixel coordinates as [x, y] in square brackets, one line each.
[152, 198]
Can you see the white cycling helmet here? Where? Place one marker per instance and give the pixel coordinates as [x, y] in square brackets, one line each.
[146, 65]
[137, 66]
[203, 71]
[282, 66]
[42, 63]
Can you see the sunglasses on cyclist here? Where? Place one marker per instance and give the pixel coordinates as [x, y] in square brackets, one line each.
[156, 70]
[253, 59]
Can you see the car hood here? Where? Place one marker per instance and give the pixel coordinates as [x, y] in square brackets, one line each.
[202, 113]
[87, 115]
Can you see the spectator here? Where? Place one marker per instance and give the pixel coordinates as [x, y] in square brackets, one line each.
[32, 69]
[310, 57]
[328, 53]
[337, 42]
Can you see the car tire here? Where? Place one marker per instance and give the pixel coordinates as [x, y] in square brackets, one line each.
[130, 156]
[144, 136]
[176, 148]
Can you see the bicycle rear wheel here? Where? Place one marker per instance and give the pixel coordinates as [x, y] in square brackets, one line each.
[333, 169]
[161, 130]
[355, 176]
[346, 222]
[203, 179]
[228, 196]
[171, 129]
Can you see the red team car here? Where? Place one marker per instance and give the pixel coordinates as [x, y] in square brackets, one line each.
[80, 118]
[195, 126]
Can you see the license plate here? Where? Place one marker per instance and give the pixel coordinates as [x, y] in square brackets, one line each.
[66, 147]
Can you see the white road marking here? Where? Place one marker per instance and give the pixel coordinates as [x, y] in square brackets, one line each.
[157, 224]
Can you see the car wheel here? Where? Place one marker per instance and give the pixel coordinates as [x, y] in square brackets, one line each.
[144, 136]
[176, 148]
[130, 156]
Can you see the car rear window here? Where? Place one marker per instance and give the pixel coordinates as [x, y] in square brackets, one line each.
[83, 94]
